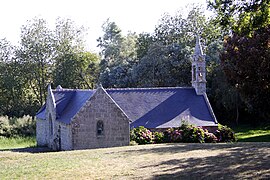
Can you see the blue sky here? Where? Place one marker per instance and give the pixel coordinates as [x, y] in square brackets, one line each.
[130, 15]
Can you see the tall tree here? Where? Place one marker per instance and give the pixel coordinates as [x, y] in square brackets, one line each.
[246, 49]
[118, 54]
[247, 66]
[241, 16]
[35, 54]
[73, 67]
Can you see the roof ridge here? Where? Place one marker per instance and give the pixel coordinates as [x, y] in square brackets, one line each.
[143, 88]
[64, 89]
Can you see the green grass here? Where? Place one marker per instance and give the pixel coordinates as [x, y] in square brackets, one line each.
[250, 134]
[17, 142]
[155, 161]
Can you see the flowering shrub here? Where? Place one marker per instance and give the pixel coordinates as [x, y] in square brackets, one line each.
[192, 134]
[209, 137]
[225, 134]
[158, 137]
[185, 133]
[141, 135]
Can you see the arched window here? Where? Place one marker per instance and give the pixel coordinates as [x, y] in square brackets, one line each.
[50, 125]
[100, 128]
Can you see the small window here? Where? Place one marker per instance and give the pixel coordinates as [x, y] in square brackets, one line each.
[50, 125]
[100, 128]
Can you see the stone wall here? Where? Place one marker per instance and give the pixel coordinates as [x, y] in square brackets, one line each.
[101, 108]
[65, 136]
[41, 132]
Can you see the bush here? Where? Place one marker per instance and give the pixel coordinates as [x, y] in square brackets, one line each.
[209, 137]
[15, 127]
[225, 134]
[158, 137]
[141, 135]
[185, 133]
[192, 134]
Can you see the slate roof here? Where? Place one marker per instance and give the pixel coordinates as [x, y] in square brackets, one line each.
[68, 103]
[149, 107]
[164, 107]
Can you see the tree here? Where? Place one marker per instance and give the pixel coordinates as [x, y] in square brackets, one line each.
[15, 100]
[118, 56]
[246, 63]
[241, 16]
[35, 55]
[246, 50]
[163, 66]
[73, 66]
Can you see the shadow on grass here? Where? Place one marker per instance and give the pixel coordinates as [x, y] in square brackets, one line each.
[33, 149]
[262, 138]
[237, 161]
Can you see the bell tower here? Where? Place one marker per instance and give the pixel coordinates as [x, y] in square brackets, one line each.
[198, 69]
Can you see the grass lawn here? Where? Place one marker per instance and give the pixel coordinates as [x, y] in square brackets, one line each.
[250, 134]
[156, 161]
[19, 142]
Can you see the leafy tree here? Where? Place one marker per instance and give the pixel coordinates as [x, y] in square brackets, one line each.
[246, 50]
[35, 54]
[163, 66]
[118, 56]
[15, 100]
[246, 63]
[73, 66]
[241, 16]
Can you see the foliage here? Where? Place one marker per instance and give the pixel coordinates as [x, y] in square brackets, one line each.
[192, 134]
[43, 56]
[241, 16]
[225, 134]
[141, 135]
[158, 137]
[186, 133]
[245, 61]
[17, 127]
[118, 54]
[74, 67]
[209, 137]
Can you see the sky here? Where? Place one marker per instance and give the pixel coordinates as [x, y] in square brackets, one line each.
[130, 15]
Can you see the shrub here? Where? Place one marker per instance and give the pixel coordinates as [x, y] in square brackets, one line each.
[14, 127]
[225, 134]
[158, 137]
[141, 135]
[209, 137]
[192, 134]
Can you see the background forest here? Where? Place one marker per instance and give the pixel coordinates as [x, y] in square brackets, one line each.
[235, 40]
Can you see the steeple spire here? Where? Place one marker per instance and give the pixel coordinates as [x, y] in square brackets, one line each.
[198, 47]
[198, 69]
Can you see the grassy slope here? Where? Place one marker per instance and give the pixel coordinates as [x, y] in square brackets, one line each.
[251, 134]
[165, 161]
[19, 142]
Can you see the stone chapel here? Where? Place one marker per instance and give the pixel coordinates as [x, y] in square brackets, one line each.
[96, 118]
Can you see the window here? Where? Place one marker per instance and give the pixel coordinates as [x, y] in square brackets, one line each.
[100, 128]
[50, 125]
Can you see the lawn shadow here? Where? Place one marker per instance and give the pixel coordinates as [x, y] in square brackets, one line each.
[262, 138]
[239, 161]
[172, 148]
[29, 150]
